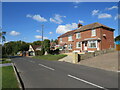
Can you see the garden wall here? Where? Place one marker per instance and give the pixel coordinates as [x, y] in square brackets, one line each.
[93, 54]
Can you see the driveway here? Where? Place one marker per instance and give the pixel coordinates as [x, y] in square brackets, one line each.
[107, 61]
[54, 74]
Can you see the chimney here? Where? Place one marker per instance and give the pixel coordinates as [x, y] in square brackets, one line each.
[79, 25]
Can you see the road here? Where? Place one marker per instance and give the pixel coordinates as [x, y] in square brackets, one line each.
[37, 73]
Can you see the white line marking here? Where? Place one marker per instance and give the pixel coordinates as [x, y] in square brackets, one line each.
[46, 67]
[87, 82]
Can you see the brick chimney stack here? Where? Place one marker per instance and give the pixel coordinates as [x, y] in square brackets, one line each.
[79, 25]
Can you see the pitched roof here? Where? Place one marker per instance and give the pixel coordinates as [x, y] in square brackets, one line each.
[92, 26]
[35, 46]
[86, 27]
[68, 33]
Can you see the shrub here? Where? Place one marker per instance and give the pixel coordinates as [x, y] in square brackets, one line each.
[40, 53]
[54, 51]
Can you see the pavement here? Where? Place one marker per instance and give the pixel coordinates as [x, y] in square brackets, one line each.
[6, 64]
[37, 73]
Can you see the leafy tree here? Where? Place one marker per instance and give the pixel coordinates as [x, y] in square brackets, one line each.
[46, 45]
[56, 41]
[13, 47]
[37, 43]
[117, 38]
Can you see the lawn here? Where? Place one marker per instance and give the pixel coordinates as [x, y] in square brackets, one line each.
[9, 79]
[50, 57]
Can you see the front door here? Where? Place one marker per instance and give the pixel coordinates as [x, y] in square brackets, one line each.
[85, 45]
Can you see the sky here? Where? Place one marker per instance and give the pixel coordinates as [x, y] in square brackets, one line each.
[24, 20]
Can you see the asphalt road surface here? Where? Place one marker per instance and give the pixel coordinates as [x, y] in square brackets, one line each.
[37, 73]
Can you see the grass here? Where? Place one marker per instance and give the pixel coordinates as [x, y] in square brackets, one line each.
[50, 57]
[8, 78]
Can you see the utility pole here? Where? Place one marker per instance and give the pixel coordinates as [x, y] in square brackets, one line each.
[42, 31]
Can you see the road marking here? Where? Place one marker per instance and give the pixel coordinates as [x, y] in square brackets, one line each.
[87, 82]
[46, 67]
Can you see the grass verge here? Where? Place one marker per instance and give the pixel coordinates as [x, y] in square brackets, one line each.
[50, 57]
[9, 79]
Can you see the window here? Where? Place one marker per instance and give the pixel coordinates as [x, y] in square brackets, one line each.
[70, 38]
[78, 44]
[78, 35]
[70, 46]
[92, 44]
[94, 32]
[60, 39]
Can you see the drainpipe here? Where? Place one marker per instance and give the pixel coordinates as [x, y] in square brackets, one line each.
[101, 37]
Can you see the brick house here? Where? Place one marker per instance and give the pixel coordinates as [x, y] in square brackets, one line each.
[89, 38]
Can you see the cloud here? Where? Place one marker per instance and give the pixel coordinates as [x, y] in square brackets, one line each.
[14, 33]
[77, 2]
[57, 19]
[117, 17]
[37, 18]
[64, 28]
[104, 15]
[37, 30]
[95, 12]
[80, 21]
[50, 32]
[113, 7]
[40, 37]
[75, 6]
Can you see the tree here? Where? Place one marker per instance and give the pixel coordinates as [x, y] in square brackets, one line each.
[13, 47]
[37, 43]
[46, 45]
[117, 38]
[56, 41]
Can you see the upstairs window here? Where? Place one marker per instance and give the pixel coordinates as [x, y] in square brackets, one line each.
[60, 39]
[78, 35]
[93, 32]
[70, 38]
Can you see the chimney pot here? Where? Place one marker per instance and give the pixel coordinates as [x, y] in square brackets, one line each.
[79, 25]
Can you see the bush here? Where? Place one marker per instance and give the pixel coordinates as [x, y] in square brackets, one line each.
[40, 53]
[55, 51]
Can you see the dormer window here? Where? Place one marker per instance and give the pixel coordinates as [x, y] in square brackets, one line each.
[93, 32]
[70, 38]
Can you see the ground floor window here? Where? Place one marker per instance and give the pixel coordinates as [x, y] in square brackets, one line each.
[70, 46]
[78, 44]
[92, 44]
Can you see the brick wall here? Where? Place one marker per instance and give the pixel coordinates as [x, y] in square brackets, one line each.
[107, 42]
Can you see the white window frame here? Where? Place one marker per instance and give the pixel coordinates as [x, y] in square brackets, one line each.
[78, 35]
[93, 41]
[60, 39]
[70, 38]
[78, 43]
[93, 32]
[69, 46]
